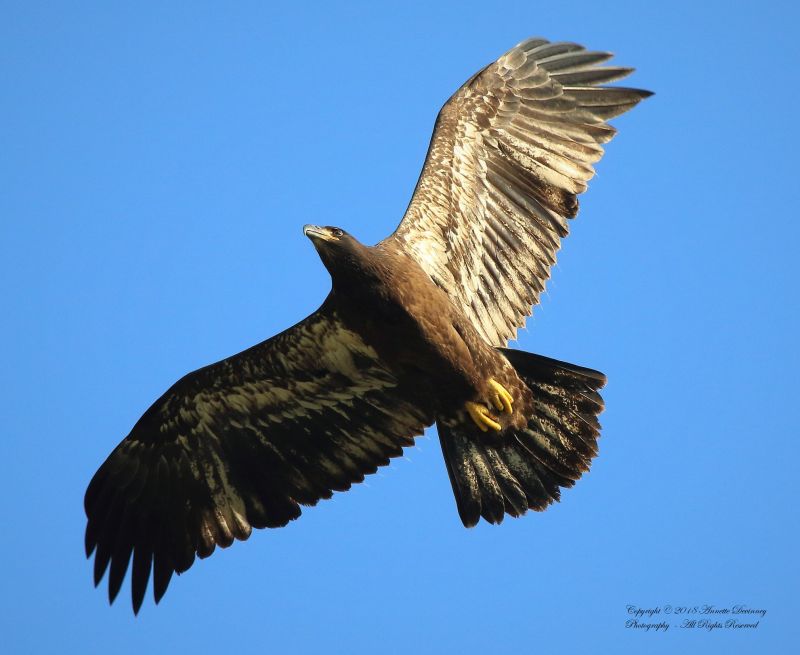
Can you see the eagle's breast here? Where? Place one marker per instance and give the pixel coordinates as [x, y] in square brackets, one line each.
[413, 325]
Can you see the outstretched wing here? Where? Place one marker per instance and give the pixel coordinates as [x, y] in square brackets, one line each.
[241, 444]
[509, 154]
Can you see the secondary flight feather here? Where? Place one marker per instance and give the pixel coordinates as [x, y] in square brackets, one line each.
[412, 333]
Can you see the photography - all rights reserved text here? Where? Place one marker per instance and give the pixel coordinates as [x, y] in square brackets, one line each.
[705, 617]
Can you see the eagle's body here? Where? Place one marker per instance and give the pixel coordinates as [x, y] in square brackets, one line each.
[414, 332]
[417, 330]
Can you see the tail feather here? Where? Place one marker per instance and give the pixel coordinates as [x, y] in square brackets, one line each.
[525, 468]
[515, 499]
[458, 456]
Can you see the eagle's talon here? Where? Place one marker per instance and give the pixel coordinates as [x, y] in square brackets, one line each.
[502, 399]
[481, 416]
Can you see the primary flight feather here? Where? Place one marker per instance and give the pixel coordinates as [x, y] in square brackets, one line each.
[413, 332]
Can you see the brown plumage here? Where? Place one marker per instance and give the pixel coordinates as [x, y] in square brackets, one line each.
[413, 326]
[413, 332]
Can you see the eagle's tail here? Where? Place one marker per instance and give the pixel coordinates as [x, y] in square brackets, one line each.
[521, 469]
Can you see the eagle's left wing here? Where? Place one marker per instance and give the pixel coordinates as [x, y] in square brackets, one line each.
[241, 444]
[510, 152]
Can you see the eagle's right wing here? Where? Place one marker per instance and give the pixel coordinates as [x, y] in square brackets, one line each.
[510, 152]
[241, 444]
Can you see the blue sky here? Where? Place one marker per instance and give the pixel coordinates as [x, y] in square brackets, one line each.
[158, 164]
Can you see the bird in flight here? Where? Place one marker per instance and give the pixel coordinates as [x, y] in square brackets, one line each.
[414, 332]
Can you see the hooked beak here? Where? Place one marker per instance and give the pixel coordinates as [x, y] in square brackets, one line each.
[314, 232]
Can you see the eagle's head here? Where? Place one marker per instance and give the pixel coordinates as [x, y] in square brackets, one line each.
[342, 254]
[325, 235]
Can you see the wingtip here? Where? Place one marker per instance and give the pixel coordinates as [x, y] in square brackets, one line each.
[89, 545]
[113, 591]
[137, 597]
[99, 569]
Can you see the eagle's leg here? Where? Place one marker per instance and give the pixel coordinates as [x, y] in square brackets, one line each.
[502, 399]
[480, 414]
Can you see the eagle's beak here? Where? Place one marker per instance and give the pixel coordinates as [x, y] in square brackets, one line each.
[314, 232]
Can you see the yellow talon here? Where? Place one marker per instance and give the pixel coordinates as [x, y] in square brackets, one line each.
[483, 419]
[501, 399]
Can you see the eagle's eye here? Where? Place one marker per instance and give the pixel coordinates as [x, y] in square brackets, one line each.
[337, 232]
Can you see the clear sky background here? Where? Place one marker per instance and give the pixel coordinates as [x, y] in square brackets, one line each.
[157, 162]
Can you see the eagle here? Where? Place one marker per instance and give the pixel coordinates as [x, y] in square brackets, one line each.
[414, 332]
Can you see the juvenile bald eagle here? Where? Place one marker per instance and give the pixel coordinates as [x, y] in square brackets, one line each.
[413, 333]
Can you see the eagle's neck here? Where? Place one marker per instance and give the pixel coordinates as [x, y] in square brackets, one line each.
[360, 269]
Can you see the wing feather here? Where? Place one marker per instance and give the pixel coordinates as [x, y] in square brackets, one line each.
[510, 152]
[241, 444]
